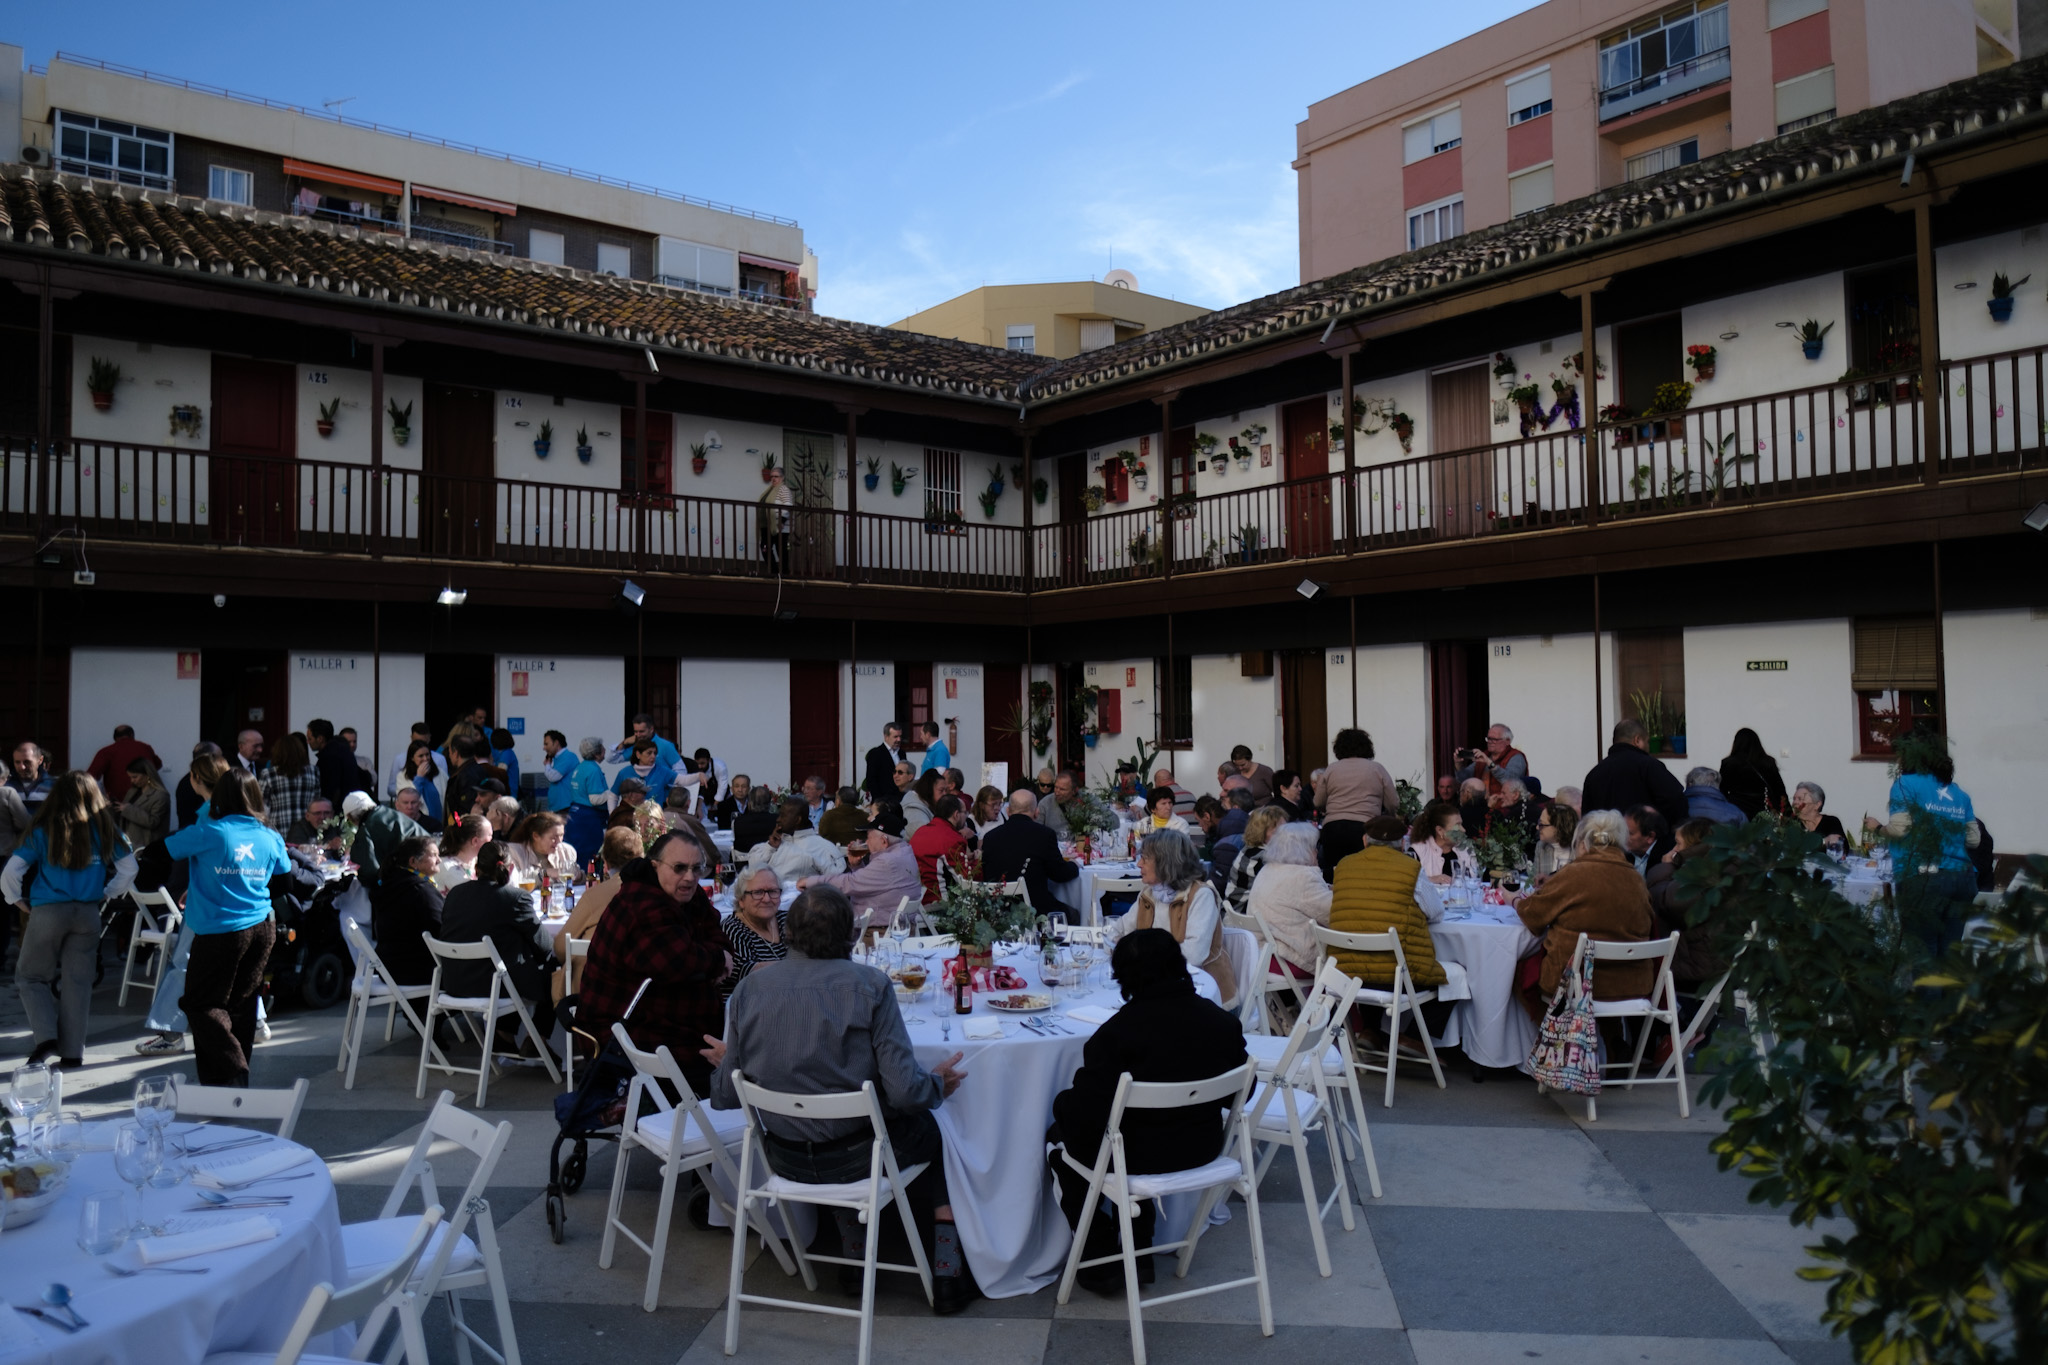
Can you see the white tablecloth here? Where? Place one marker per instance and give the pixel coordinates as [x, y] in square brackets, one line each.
[1004, 1202]
[247, 1303]
[1080, 895]
[1491, 1026]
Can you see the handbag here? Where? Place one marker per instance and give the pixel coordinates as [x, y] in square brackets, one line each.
[1567, 1052]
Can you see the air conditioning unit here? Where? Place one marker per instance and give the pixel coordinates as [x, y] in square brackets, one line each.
[32, 155]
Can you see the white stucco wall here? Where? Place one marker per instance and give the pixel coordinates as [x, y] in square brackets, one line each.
[872, 684]
[350, 443]
[1764, 357]
[578, 696]
[1997, 673]
[969, 707]
[1541, 688]
[153, 380]
[739, 710]
[1135, 681]
[337, 687]
[1230, 709]
[138, 687]
[1393, 707]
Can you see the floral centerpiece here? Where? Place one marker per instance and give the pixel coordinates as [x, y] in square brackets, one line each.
[1087, 819]
[977, 913]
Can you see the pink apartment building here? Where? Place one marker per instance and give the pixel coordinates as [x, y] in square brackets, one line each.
[1574, 96]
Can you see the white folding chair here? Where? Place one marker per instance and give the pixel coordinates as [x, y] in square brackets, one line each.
[1283, 1114]
[1659, 1007]
[372, 986]
[153, 933]
[228, 1102]
[1337, 1079]
[885, 1183]
[579, 952]
[484, 1012]
[1402, 999]
[1014, 888]
[454, 1260]
[700, 1146]
[372, 1301]
[1271, 971]
[1232, 1172]
[1111, 886]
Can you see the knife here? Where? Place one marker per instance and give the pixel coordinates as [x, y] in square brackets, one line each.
[190, 1150]
[50, 1318]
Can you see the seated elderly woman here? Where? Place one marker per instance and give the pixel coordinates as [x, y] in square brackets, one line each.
[1380, 888]
[1179, 899]
[817, 1023]
[1244, 868]
[1435, 840]
[757, 929]
[793, 849]
[1807, 800]
[488, 907]
[538, 846]
[755, 823]
[1290, 896]
[1599, 895]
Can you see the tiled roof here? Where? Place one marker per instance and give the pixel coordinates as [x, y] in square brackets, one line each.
[1643, 206]
[155, 228]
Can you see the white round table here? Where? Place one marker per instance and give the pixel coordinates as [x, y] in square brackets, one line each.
[1079, 894]
[1491, 1025]
[247, 1302]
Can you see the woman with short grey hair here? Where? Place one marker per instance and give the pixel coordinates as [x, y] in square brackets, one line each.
[757, 929]
[1807, 800]
[1178, 898]
[590, 749]
[1599, 829]
[1289, 896]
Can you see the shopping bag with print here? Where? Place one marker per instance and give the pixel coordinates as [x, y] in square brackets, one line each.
[1567, 1052]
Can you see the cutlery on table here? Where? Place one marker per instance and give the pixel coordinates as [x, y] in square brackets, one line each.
[125, 1272]
[220, 1205]
[45, 1315]
[58, 1297]
[228, 1146]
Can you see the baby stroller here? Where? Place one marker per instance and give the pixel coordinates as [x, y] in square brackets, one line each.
[595, 1109]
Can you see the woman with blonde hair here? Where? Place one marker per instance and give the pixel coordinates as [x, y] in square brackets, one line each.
[1244, 869]
[73, 858]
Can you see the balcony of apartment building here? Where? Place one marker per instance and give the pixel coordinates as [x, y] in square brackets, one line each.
[1662, 58]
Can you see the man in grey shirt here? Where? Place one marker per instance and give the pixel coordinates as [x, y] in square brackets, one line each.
[818, 1023]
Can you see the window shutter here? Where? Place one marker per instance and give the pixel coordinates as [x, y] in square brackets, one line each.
[1528, 91]
[1785, 11]
[1109, 710]
[1806, 96]
[1896, 652]
[1448, 126]
[1531, 190]
[1415, 143]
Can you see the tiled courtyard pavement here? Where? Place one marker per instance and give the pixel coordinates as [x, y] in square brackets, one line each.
[1511, 1231]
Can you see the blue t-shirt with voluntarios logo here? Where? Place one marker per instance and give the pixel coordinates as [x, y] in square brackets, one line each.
[232, 862]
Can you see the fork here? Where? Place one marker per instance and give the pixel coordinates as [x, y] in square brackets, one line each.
[125, 1273]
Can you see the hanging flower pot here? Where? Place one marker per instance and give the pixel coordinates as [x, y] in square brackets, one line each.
[586, 453]
[401, 420]
[584, 450]
[400, 435]
[103, 399]
[545, 441]
[325, 426]
[1089, 739]
[2000, 302]
[2001, 309]
[1039, 489]
[100, 380]
[698, 464]
[1811, 348]
[1142, 479]
[873, 481]
[1244, 460]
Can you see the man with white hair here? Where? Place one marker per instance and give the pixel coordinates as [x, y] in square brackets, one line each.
[1704, 801]
[379, 832]
[1022, 847]
[1569, 796]
[1497, 761]
[879, 885]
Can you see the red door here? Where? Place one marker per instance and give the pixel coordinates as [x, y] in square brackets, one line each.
[814, 720]
[252, 478]
[1002, 702]
[1307, 434]
[458, 507]
[660, 482]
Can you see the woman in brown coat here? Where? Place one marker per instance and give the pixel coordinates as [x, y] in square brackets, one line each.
[1598, 894]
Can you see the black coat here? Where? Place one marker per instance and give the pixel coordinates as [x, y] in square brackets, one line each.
[475, 911]
[1162, 1036]
[1754, 787]
[1629, 777]
[880, 782]
[1020, 846]
[339, 772]
[750, 828]
[404, 907]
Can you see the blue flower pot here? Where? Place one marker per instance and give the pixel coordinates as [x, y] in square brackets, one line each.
[540, 448]
[1812, 349]
[2001, 309]
[995, 486]
[873, 481]
[586, 453]
[1088, 740]
[1677, 743]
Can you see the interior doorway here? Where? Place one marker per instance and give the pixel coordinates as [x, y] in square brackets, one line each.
[1304, 711]
[814, 720]
[1460, 420]
[244, 689]
[654, 679]
[1002, 706]
[456, 685]
[1306, 432]
[1459, 702]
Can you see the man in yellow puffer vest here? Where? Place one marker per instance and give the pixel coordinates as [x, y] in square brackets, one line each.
[1380, 888]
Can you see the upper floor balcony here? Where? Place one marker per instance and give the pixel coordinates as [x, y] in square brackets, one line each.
[1661, 58]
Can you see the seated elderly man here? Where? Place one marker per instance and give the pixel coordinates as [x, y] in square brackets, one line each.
[1164, 1032]
[817, 1023]
[879, 885]
[1704, 801]
[794, 850]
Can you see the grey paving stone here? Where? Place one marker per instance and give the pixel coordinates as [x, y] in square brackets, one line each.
[1505, 1168]
[1674, 1172]
[1757, 1256]
[777, 1335]
[1182, 1343]
[1519, 1348]
[575, 1333]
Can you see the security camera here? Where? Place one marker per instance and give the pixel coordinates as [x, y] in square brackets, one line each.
[220, 599]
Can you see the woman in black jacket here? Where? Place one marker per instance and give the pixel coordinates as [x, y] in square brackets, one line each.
[488, 908]
[1164, 1032]
[1750, 778]
[405, 905]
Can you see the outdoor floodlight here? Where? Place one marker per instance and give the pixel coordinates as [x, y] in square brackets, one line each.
[2036, 520]
[631, 595]
[1311, 589]
[452, 597]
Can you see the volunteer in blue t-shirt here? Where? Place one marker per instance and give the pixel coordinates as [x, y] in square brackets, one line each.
[232, 856]
[560, 767]
[1933, 828]
[936, 754]
[73, 858]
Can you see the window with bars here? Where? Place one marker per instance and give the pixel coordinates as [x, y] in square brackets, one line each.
[1893, 676]
[941, 482]
[1433, 223]
[1650, 666]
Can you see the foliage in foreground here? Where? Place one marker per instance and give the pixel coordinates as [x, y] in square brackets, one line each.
[1906, 1096]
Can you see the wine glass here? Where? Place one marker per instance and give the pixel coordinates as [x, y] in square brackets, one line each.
[59, 1135]
[1083, 954]
[902, 925]
[29, 1090]
[156, 1100]
[138, 1154]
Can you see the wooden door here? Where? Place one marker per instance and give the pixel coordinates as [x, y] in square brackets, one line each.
[252, 480]
[458, 452]
[655, 684]
[1306, 431]
[39, 709]
[660, 473]
[913, 702]
[1460, 420]
[814, 720]
[245, 689]
[1002, 705]
[1073, 481]
[1304, 711]
[1458, 701]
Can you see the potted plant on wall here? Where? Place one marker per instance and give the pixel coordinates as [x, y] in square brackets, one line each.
[1811, 334]
[100, 380]
[401, 421]
[1094, 497]
[1528, 397]
[1247, 543]
[2000, 302]
[1134, 467]
[1251, 436]
[1084, 711]
[899, 478]
[988, 497]
[1701, 358]
[1649, 709]
[1676, 739]
[545, 441]
[1674, 395]
[1039, 489]
[1205, 449]
[995, 479]
[768, 467]
[873, 478]
[325, 424]
[700, 458]
[584, 452]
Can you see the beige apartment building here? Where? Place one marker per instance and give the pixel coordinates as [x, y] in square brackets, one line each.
[1576, 96]
[1056, 320]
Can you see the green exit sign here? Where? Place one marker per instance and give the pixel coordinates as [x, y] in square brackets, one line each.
[1769, 665]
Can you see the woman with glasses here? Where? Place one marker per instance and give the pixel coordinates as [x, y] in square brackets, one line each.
[660, 928]
[754, 930]
[1554, 827]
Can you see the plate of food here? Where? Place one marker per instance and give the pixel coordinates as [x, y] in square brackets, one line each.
[1020, 1002]
[32, 1187]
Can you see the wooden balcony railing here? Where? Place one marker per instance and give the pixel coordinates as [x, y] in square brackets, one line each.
[1800, 443]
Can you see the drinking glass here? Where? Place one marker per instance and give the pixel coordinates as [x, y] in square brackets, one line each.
[138, 1154]
[156, 1101]
[1083, 954]
[902, 925]
[1056, 926]
[29, 1090]
[102, 1222]
[59, 1135]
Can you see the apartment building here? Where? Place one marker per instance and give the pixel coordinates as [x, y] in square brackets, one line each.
[1576, 96]
[81, 116]
[1057, 320]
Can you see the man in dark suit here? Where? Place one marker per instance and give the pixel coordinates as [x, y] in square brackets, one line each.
[1164, 1032]
[880, 782]
[335, 761]
[1628, 777]
[1021, 846]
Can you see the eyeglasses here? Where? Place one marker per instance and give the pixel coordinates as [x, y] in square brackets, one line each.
[766, 893]
[689, 870]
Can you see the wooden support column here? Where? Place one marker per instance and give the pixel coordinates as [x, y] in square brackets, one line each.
[1930, 362]
[380, 496]
[1589, 384]
[1350, 493]
[1165, 466]
[1599, 696]
[1354, 656]
[853, 540]
[1030, 555]
[640, 465]
[1940, 647]
[46, 341]
[377, 764]
[1167, 739]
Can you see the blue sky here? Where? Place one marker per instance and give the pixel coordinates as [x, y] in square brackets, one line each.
[926, 149]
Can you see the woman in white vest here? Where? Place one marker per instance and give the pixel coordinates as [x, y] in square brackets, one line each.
[1178, 898]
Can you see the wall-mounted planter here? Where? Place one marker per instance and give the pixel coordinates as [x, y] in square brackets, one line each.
[541, 447]
[586, 453]
[400, 435]
[103, 399]
[1089, 739]
[1812, 349]
[698, 464]
[186, 420]
[2001, 309]
[873, 481]
[324, 426]
[1039, 489]
[1142, 479]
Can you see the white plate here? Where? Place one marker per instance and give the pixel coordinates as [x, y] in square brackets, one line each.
[22, 1212]
[1041, 1003]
